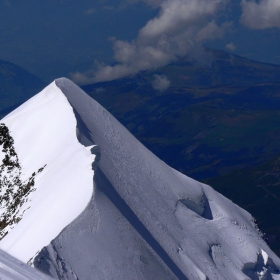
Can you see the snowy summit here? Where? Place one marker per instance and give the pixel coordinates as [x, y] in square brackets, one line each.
[81, 198]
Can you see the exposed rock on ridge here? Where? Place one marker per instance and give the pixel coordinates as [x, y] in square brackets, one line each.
[14, 191]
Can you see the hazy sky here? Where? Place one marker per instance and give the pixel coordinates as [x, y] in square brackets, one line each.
[103, 40]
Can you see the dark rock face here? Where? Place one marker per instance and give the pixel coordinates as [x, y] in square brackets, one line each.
[14, 191]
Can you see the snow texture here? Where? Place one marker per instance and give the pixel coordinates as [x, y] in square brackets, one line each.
[143, 211]
[144, 220]
[13, 269]
[44, 134]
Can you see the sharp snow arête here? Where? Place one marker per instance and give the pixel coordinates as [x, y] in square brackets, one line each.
[83, 199]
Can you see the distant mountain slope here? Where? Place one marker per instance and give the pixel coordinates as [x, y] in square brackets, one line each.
[145, 220]
[210, 120]
[220, 68]
[16, 86]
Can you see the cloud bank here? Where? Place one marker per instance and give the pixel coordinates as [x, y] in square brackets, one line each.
[160, 83]
[180, 28]
[260, 15]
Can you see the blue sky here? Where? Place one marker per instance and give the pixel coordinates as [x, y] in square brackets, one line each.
[83, 39]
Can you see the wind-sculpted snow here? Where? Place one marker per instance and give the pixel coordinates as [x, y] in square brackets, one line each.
[46, 175]
[101, 244]
[143, 204]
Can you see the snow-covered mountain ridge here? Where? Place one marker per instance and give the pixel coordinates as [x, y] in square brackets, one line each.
[59, 195]
[134, 216]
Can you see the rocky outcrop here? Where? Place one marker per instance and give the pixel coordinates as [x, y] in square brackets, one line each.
[14, 191]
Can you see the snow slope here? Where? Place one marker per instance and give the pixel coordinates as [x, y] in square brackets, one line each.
[13, 269]
[44, 133]
[196, 232]
[144, 220]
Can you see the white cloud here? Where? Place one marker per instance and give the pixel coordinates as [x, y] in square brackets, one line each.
[180, 28]
[161, 83]
[231, 47]
[261, 15]
[179, 15]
